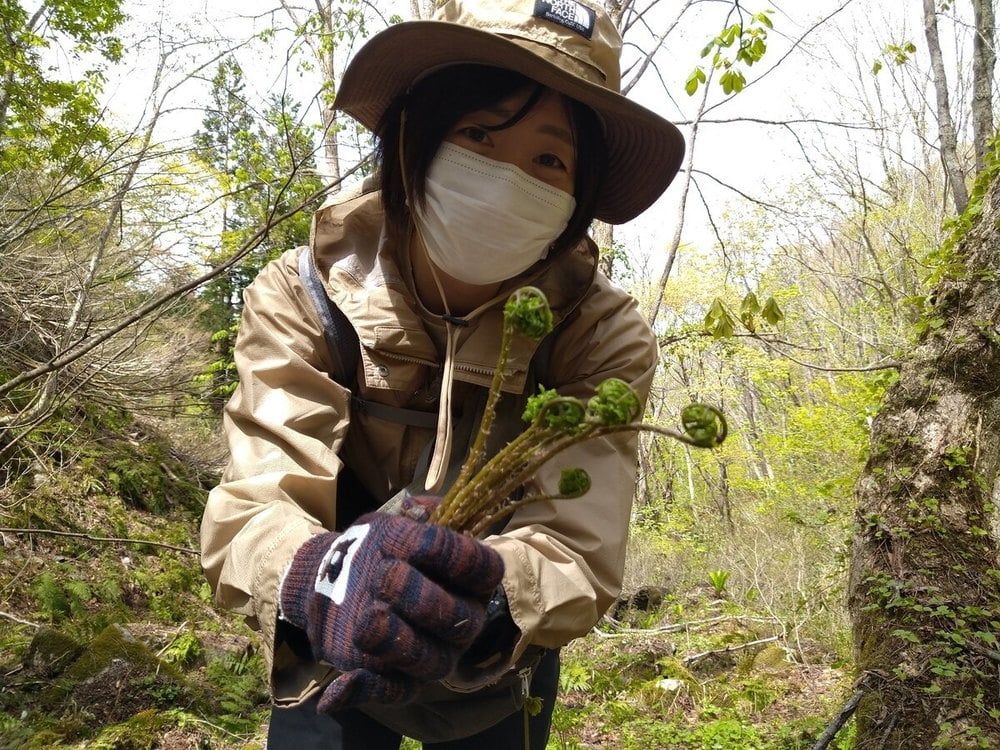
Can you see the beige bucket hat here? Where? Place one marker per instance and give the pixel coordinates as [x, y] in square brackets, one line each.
[570, 46]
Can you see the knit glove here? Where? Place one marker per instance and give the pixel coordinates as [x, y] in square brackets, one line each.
[390, 602]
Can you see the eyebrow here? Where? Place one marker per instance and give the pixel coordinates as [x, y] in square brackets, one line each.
[554, 130]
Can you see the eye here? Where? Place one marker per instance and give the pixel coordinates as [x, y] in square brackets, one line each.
[551, 161]
[474, 133]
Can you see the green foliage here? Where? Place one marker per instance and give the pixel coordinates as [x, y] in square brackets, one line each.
[45, 119]
[528, 312]
[718, 579]
[704, 425]
[185, 649]
[575, 677]
[721, 323]
[573, 482]
[168, 588]
[562, 414]
[141, 732]
[741, 44]
[620, 693]
[897, 54]
[265, 165]
[614, 402]
[58, 595]
[537, 402]
[239, 688]
[944, 261]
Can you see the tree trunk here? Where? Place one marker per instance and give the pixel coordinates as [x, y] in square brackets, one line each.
[946, 126]
[983, 61]
[328, 64]
[924, 591]
[604, 236]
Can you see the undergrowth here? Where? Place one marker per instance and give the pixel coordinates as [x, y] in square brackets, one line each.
[116, 643]
[197, 680]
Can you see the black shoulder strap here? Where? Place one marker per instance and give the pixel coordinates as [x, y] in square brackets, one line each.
[341, 338]
[345, 351]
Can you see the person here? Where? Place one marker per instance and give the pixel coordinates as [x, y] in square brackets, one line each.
[502, 134]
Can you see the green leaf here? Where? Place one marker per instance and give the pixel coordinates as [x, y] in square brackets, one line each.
[704, 425]
[615, 402]
[718, 321]
[528, 312]
[986, 637]
[771, 312]
[533, 705]
[716, 311]
[724, 328]
[906, 635]
[697, 77]
[750, 305]
[574, 482]
[535, 403]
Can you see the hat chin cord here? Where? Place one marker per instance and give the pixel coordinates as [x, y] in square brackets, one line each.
[440, 459]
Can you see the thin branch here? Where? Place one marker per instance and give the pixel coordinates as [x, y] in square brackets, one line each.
[892, 364]
[729, 649]
[792, 49]
[17, 619]
[245, 249]
[782, 123]
[774, 207]
[102, 539]
[676, 627]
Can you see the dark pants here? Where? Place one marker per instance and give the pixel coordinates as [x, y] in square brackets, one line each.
[302, 728]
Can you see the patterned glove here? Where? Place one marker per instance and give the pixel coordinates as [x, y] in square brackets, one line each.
[390, 602]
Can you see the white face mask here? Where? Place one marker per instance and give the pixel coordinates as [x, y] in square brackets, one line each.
[486, 221]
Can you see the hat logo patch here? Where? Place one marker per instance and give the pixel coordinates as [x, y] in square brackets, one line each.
[574, 16]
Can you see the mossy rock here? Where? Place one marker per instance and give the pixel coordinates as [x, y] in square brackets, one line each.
[772, 659]
[139, 732]
[114, 643]
[116, 677]
[51, 651]
[673, 668]
[44, 740]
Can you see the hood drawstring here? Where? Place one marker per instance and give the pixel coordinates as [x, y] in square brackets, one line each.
[441, 457]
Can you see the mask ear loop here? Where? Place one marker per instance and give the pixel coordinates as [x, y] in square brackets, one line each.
[438, 468]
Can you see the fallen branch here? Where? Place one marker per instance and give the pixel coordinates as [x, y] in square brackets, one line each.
[102, 539]
[845, 713]
[989, 653]
[17, 619]
[688, 660]
[675, 628]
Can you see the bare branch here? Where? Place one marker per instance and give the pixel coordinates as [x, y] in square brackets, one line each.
[100, 539]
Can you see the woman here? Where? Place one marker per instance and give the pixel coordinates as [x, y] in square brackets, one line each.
[502, 135]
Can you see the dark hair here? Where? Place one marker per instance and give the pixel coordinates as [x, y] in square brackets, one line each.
[435, 103]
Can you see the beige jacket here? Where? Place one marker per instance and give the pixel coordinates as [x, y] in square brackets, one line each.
[290, 430]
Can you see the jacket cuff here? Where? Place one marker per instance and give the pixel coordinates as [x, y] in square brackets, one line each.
[298, 584]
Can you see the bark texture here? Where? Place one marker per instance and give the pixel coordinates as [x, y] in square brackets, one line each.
[984, 59]
[946, 125]
[924, 591]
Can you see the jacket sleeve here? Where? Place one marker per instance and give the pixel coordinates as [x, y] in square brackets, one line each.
[565, 558]
[285, 424]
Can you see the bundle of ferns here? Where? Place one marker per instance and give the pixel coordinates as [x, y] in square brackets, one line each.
[485, 492]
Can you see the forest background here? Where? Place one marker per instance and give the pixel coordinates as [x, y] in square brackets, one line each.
[807, 272]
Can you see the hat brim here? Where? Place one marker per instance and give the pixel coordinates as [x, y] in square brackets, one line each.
[644, 150]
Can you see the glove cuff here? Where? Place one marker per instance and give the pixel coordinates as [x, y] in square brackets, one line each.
[298, 584]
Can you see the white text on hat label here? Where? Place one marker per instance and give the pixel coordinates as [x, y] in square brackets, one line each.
[575, 16]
